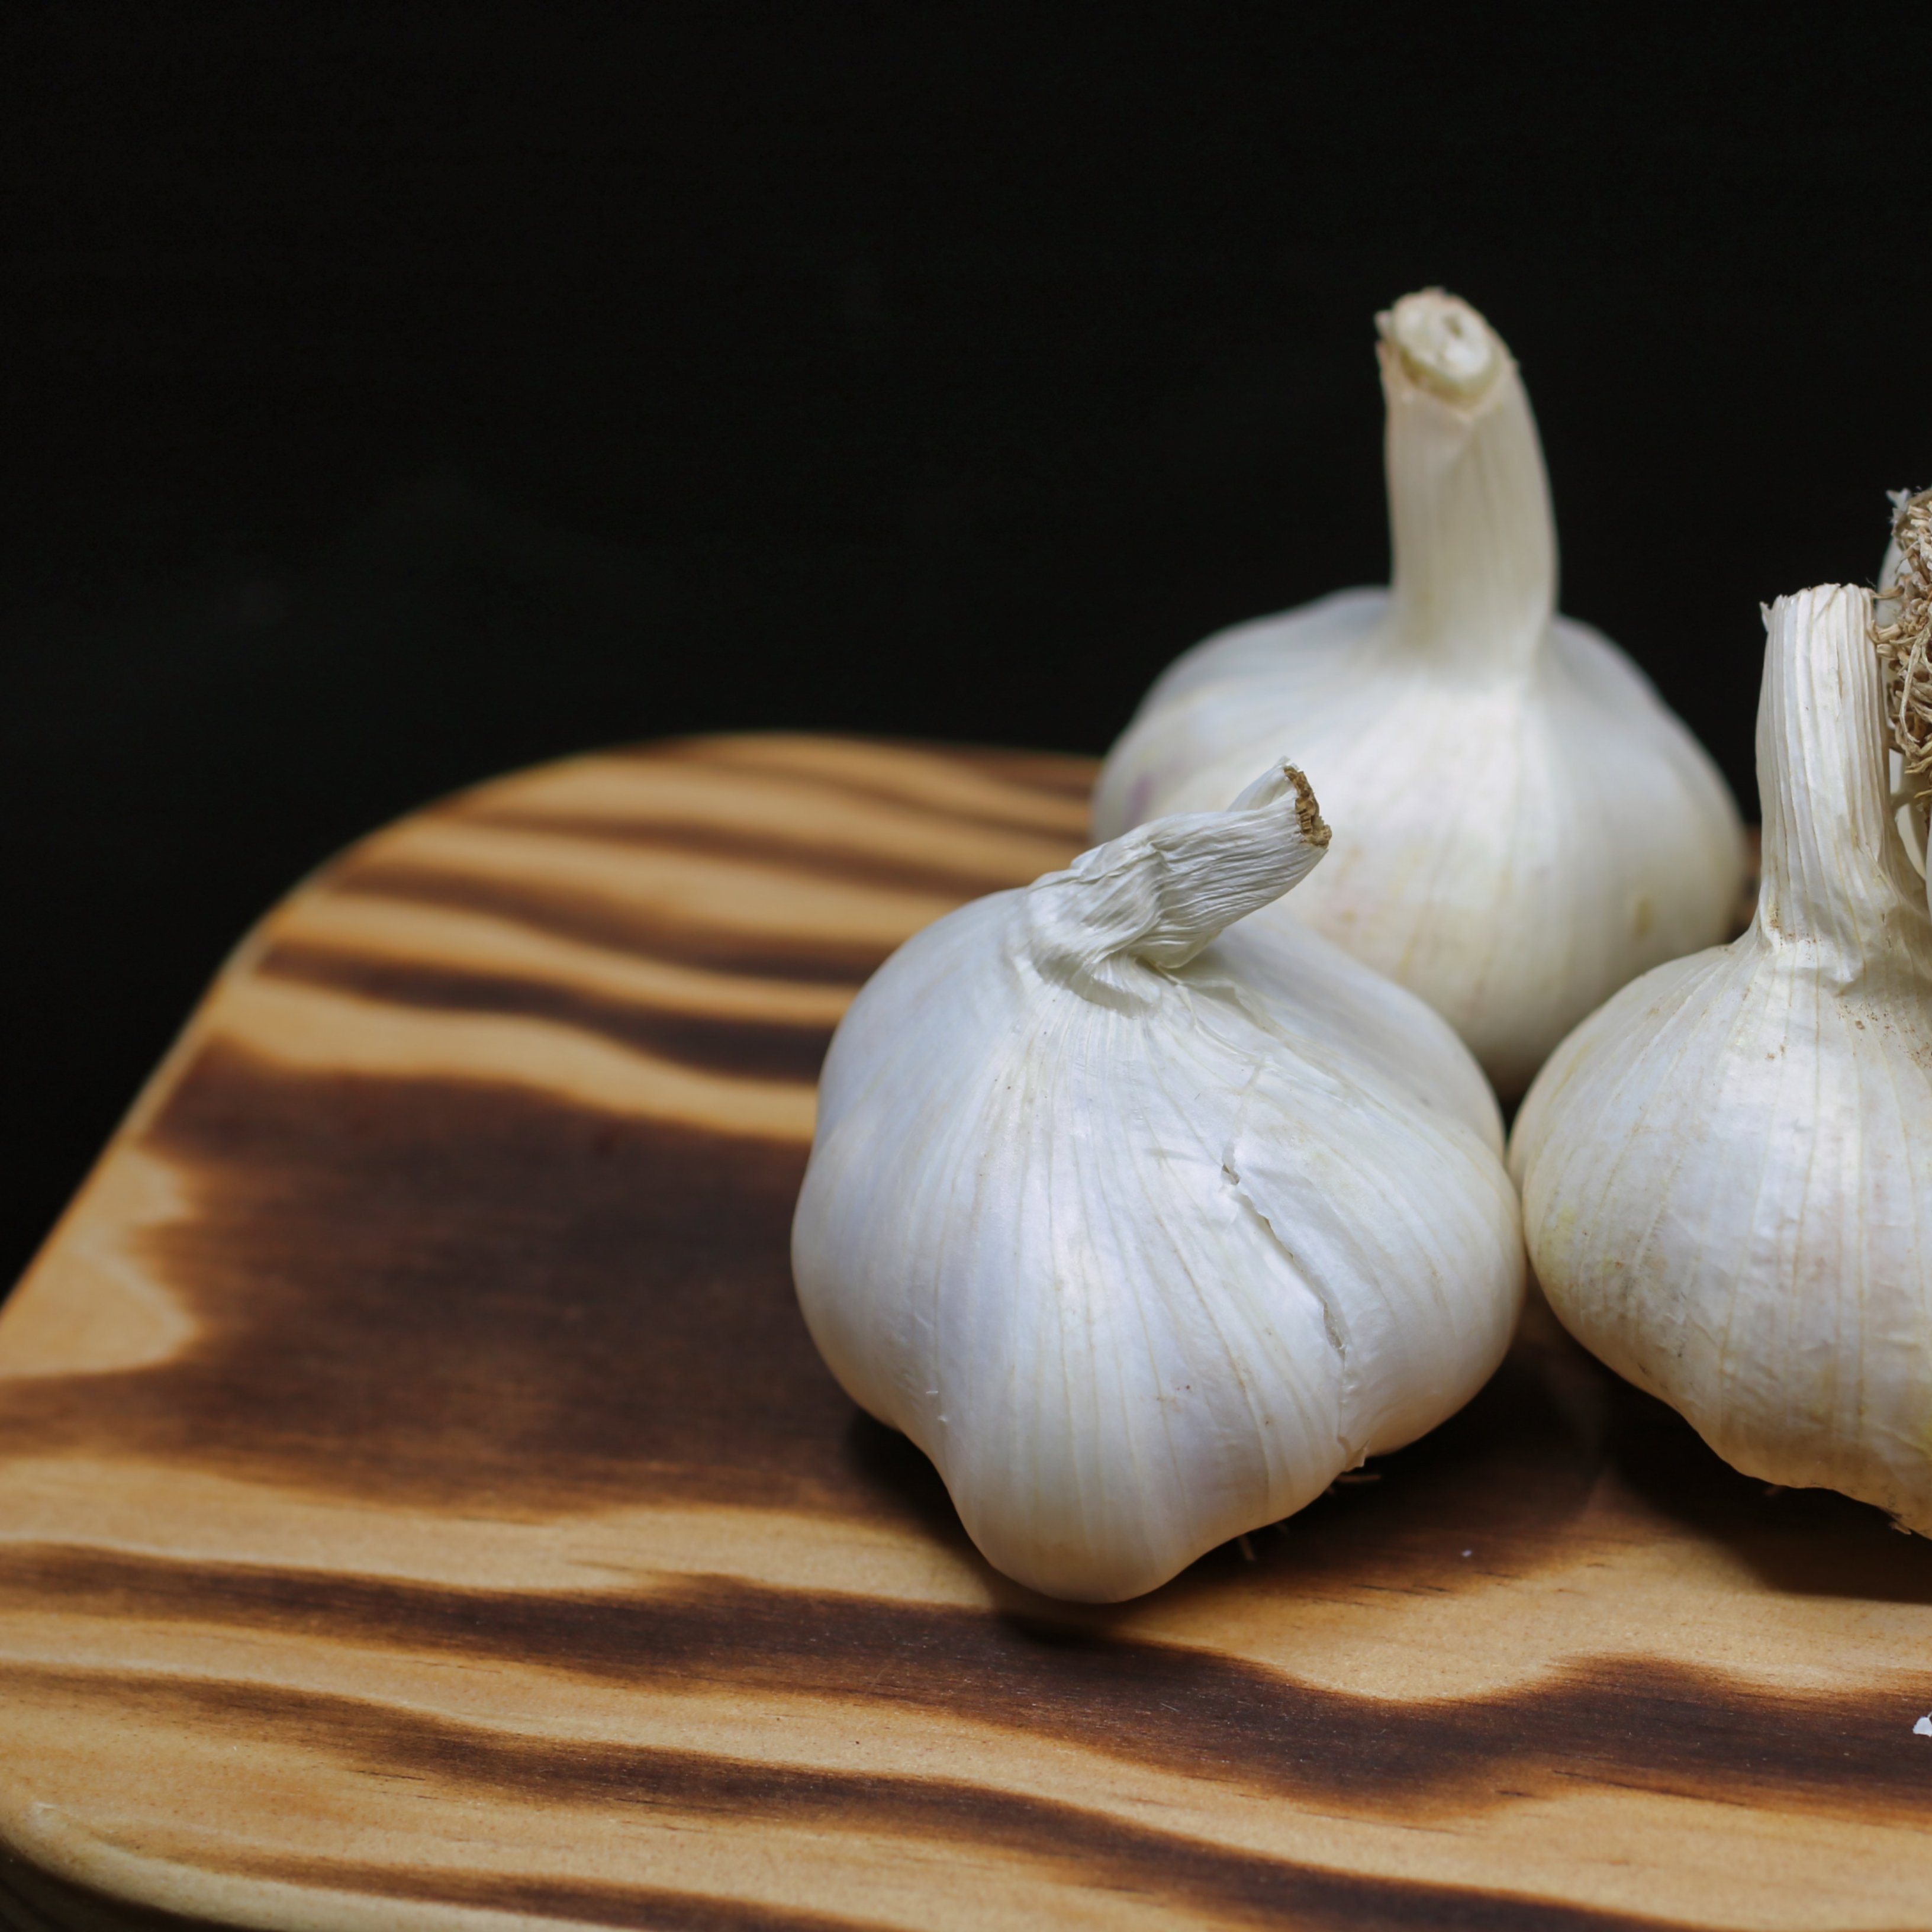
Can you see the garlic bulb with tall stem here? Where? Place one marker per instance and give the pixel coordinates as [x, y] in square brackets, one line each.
[1727, 1172]
[1522, 825]
[1141, 1247]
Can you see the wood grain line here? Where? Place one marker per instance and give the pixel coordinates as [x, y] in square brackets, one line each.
[1088, 1849]
[556, 911]
[1634, 1722]
[558, 1900]
[740, 1047]
[390, 929]
[751, 897]
[1043, 791]
[305, 1028]
[818, 825]
[920, 861]
[33, 1901]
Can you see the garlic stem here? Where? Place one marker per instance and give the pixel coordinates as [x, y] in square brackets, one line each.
[1474, 537]
[1161, 893]
[1831, 877]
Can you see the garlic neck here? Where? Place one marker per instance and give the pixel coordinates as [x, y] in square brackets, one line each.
[1474, 541]
[1835, 879]
[1148, 902]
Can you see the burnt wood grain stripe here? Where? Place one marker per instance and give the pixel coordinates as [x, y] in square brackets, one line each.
[914, 773]
[1090, 1848]
[32, 1901]
[762, 1050]
[561, 1900]
[1056, 775]
[845, 866]
[600, 922]
[1631, 1721]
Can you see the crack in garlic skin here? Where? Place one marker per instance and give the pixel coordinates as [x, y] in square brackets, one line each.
[1141, 1246]
[1727, 1171]
[1591, 837]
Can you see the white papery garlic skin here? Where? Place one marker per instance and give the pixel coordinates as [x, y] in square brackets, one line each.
[1143, 1239]
[1727, 1172]
[1522, 826]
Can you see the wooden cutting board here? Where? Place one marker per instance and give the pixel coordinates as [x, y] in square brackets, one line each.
[421, 1506]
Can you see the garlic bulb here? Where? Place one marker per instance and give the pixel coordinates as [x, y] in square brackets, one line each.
[1523, 825]
[1727, 1172]
[1141, 1250]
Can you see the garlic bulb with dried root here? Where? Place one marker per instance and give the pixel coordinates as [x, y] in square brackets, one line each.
[1727, 1172]
[1144, 1235]
[1902, 629]
[1522, 826]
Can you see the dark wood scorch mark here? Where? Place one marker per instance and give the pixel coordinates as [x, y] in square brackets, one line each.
[551, 1286]
[1078, 1845]
[1632, 1722]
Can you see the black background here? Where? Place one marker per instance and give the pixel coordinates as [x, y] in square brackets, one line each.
[392, 394]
